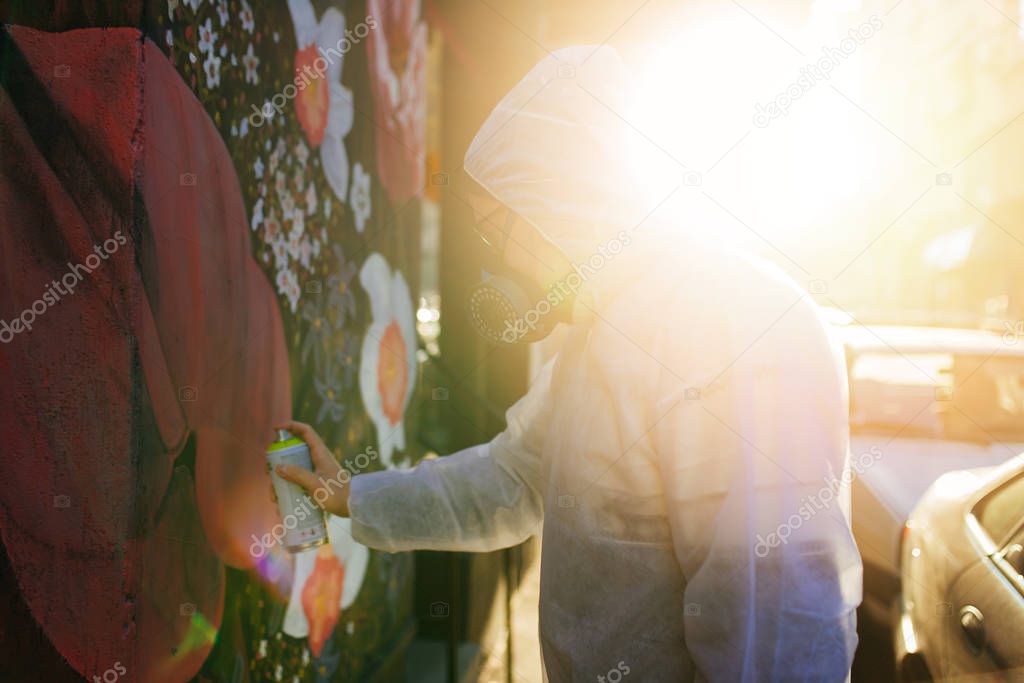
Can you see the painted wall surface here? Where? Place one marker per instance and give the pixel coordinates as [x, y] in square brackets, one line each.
[210, 224]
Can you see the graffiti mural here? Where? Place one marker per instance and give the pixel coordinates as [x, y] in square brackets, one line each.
[214, 228]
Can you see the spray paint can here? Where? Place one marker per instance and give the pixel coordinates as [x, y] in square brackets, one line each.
[303, 520]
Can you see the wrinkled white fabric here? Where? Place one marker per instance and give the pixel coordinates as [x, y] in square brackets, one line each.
[556, 148]
[686, 451]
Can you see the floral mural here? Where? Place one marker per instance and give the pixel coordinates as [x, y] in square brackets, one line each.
[327, 580]
[313, 170]
[387, 369]
[324, 105]
[398, 52]
[308, 118]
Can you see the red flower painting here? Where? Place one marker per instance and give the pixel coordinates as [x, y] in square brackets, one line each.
[313, 102]
[171, 345]
[392, 374]
[321, 598]
[398, 51]
[323, 105]
[387, 367]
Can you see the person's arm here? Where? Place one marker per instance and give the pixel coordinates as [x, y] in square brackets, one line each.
[479, 499]
[752, 471]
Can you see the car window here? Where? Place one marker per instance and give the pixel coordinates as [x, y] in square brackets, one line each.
[888, 391]
[961, 397]
[1001, 511]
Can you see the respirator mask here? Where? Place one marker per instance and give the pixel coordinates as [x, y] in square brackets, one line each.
[507, 307]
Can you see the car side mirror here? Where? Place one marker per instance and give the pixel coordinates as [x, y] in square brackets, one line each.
[1014, 556]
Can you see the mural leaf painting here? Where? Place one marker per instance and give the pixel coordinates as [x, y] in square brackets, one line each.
[143, 366]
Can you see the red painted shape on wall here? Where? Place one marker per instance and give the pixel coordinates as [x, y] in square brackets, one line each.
[397, 51]
[321, 598]
[110, 161]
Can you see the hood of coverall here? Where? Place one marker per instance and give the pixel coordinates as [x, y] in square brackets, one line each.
[556, 150]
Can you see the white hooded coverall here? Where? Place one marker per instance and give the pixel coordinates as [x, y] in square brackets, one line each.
[687, 447]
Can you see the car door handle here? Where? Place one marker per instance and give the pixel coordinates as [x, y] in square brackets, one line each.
[972, 621]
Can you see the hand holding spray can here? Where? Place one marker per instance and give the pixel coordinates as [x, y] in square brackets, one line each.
[303, 520]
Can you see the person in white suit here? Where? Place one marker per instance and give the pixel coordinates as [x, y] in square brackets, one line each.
[687, 447]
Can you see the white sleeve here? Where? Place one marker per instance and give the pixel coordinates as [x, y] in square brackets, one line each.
[754, 477]
[479, 499]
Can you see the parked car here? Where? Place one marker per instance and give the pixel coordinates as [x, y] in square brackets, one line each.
[961, 612]
[923, 401]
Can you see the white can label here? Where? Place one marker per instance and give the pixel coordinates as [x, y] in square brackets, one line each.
[302, 519]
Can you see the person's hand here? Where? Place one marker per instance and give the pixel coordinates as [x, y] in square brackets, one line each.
[325, 484]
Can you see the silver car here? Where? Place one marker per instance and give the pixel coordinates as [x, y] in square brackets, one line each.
[961, 612]
[923, 401]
